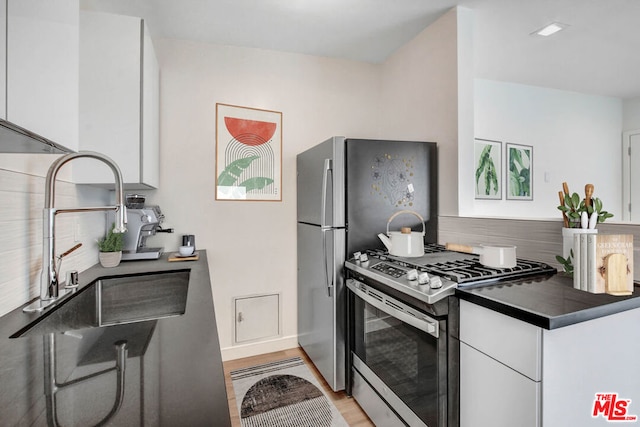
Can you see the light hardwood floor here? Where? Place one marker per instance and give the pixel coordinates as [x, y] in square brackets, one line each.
[347, 406]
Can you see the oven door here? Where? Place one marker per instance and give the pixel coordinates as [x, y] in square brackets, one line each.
[401, 353]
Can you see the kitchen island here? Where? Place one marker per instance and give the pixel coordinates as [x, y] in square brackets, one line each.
[541, 353]
[158, 370]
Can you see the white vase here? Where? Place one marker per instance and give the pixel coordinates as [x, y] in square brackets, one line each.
[110, 259]
[568, 236]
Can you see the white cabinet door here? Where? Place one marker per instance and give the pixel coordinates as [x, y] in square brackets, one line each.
[257, 317]
[42, 68]
[150, 114]
[3, 59]
[512, 342]
[119, 90]
[492, 394]
[500, 369]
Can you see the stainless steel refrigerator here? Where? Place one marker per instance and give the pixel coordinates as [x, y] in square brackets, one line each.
[347, 191]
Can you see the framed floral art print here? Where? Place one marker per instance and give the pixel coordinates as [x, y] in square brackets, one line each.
[519, 172]
[248, 154]
[488, 169]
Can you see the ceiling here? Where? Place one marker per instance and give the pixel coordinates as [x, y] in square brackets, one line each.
[596, 54]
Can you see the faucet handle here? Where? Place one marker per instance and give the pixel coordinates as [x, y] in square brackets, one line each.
[72, 280]
[69, 251]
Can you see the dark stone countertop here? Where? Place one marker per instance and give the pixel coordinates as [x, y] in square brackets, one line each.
[172, 375]
[548, 302]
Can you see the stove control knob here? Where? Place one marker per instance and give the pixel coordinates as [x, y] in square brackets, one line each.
[423, 287]
[423, 278]
[412, 274]
[435, 282]
[364, 258]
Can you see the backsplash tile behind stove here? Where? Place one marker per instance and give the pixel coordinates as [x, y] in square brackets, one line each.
[536, 240]
[22, 196]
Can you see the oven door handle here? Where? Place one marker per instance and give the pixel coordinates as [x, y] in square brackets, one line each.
[395, 308]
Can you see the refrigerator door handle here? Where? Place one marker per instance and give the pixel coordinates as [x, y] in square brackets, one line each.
[323, 222]
[328, 281]
[325, 180]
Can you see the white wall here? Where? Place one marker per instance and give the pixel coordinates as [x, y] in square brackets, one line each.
[420, 96]
[575, 137]
[631, 117]
[251, 245]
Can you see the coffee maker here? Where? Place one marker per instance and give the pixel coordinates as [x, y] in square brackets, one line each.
[142, 221]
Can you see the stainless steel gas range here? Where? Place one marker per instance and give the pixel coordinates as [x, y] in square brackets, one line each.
[402, 331]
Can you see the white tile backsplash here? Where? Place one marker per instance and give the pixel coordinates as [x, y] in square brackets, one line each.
[22, 196]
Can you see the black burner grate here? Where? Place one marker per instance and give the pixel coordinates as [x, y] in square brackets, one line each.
[466, 271]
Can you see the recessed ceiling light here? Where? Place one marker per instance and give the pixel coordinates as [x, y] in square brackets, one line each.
[549, 29]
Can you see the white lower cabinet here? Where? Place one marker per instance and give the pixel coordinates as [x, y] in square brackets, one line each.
[494, 394]
[500, 375]
[515, 374]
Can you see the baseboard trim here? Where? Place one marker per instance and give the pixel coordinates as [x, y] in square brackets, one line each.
[257, 348]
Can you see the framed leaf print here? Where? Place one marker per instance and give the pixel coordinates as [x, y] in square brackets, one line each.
[488, 169]
[248, 154]
[520, 172]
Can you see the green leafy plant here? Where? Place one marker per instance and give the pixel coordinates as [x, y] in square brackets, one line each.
[488, 168]
[112, 242]
[567, 264]
[573, 208]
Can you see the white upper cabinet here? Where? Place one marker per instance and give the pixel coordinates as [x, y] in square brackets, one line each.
[42, 39]
[119, 100]
[150, 114]
[3, 59]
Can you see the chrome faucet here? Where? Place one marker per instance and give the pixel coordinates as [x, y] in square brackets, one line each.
[49, 280]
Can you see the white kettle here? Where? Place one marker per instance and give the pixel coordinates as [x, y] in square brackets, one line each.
[404, 243]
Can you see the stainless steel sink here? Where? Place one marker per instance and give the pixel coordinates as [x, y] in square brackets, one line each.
[114, 301]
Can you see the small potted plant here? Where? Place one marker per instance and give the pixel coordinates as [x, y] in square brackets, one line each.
[586, 213]
[111, 248]
[580, 216]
